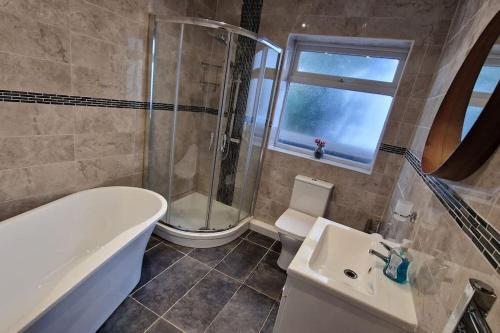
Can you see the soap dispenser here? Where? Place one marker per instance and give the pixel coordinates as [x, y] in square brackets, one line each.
[396, 263]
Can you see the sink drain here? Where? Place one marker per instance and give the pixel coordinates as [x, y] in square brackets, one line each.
[350, 274]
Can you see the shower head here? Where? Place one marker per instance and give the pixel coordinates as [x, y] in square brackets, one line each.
[219, 37]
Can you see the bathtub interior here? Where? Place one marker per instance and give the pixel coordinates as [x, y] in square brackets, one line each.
[62, 241]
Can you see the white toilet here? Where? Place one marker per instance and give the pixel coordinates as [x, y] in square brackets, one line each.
[308, 202]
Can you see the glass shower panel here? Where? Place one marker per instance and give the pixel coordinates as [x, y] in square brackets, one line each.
[195, 137]
[164, 64]
[265, 77]
[231, 158]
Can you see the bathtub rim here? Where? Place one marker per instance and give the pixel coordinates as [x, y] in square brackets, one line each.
[101, 256]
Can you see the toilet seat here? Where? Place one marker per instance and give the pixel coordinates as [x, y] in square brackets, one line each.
[295, 224]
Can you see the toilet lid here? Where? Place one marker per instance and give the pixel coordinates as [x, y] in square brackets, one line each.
[295, 223]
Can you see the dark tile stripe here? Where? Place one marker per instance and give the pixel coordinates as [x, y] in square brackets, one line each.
[392, 149]
[43, 98]
[481, 233]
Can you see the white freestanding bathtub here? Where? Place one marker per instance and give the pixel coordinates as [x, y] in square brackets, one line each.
[67, 265]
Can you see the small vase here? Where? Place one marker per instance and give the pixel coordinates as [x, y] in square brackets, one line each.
[319, 152]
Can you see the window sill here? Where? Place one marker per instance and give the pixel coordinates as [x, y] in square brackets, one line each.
[323, 160]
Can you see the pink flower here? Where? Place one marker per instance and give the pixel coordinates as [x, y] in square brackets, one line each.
[320, 143]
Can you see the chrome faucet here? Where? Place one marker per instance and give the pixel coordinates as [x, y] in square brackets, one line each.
[379, 255]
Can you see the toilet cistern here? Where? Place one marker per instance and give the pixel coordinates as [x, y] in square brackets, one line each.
[308, 202]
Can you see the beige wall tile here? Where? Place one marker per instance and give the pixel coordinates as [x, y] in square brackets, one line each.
[229, 11]
[90, 52]
[426, 9]
[11, 208]
[103, 144]
[422, 85]
[494, 215]
[168, 7]
[27, 74]
[23, 36]
[431, 59]
[98, 83]
[127, 8]
[53, 12]
[134, 180]
[91, 20]
[398, 108]
[347, 215]
[18, 152]
[104, 120]
[414, 110]
[275, 192]
[267, 210]
[96, 172]
[17, 184]
[17, 119]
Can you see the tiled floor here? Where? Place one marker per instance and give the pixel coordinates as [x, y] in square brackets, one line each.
[231, 288]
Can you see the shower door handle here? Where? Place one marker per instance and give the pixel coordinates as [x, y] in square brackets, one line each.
[211, 141]
[223, 145]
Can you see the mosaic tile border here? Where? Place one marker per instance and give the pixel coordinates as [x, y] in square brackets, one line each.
[483, 235]
[392, 149]
[43, 98]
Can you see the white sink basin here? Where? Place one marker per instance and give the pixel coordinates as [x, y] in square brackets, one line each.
[342, 253]
[329, 249]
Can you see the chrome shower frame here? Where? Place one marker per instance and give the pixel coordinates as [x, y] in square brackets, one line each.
[231, 31]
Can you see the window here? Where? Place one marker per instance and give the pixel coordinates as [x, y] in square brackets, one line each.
[341, 93]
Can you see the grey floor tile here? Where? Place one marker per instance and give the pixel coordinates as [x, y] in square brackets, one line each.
[180, 248]
[271, 320]
[163, 326]
[130, 317]
[276, 247]
[167, 288]
[156, 260]
[260, 239]
[212, 256]
[196, 310]
[153, 241]
[242, 260]
[245, 312]
[268, 278]
[243, 235]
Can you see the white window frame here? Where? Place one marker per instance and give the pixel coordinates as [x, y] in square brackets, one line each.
[364, 47]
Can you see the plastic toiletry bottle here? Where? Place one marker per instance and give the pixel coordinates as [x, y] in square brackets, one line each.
[396, 268]
[396, 263]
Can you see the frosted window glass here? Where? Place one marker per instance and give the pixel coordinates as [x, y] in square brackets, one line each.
[351, 122]
[348, 65]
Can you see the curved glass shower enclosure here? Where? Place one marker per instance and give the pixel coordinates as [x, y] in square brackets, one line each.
[211, 90]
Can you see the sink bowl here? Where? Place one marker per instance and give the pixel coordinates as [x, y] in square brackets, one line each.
[341, 255]
[333, 273]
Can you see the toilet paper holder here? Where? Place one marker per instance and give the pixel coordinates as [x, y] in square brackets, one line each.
[412, 216]
[403, 211]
